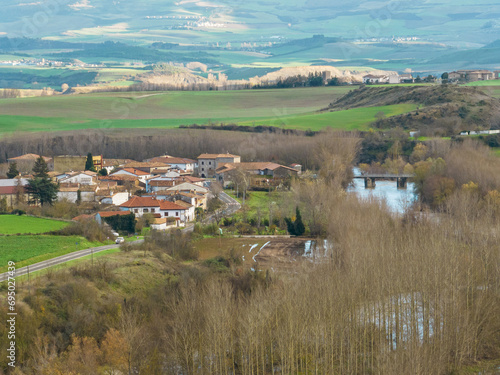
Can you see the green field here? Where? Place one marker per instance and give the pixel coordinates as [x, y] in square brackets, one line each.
[351, 119]
[489, 87]
[175, 104]
[495, 82]
[255, 200]
[289, 108]
[26, 250]
[12, 224]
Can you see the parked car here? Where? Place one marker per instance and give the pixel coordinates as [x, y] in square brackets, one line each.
[116, 234]
[120, 240]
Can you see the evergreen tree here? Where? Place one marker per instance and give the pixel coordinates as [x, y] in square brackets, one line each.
[295, 228]
[89, 163]
[40, 169]
[298, 224]
[40, 187]
[290, 226]
[103, 172]
[13, 172]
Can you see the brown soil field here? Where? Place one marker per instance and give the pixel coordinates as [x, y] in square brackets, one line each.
[264, 252]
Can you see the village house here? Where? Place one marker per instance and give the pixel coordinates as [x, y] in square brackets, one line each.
[380, 78]
[182, 164]
[470, 75]
[157, 184]
[163, 223]
[147, 205]
[208, 163]
[114, 196]
[406, 78]
[72, 192]
[132, 183]
[170, 179]
[98, 162]
[187, 187]
[13, 189]
[152, 168]
[115, 164]
[137, 173]
[12, 194]
[68, 191]
[269, 169]
[195, 199]
[82, 178]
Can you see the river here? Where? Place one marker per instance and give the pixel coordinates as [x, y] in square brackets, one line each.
[397, 199]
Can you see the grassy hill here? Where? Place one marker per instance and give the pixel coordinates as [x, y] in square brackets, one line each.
[12, 224]
[441, 109]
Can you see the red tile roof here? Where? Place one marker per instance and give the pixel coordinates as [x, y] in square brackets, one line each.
[136, 201]
[166, 205]
[162, 183]
[112, 213]
[7, 190]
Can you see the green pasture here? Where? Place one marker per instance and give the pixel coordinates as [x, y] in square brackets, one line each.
[30, 249]
[293, 107]
[494, 82]
[351, 119]
[489, 87]
[12, 224]
[258, 200]
[175, 104]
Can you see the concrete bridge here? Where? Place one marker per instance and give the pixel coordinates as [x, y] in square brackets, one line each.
[370, 178]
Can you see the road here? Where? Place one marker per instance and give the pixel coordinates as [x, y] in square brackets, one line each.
[232, 206]
[61, 259]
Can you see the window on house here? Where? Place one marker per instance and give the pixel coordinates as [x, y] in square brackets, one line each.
[210, 163]
[202, 163]
[145, 210]
[136, 210]
[176, 213]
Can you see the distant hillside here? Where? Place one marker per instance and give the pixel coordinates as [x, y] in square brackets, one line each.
[446, 109]
[489, 54]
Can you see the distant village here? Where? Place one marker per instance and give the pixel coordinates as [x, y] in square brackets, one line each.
[459, 76]
[173, 189]
[42, 62]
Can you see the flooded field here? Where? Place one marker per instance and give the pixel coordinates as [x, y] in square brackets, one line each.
[261, 252]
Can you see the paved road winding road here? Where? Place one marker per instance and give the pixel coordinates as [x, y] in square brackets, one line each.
[232, 205]
[61, 259]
